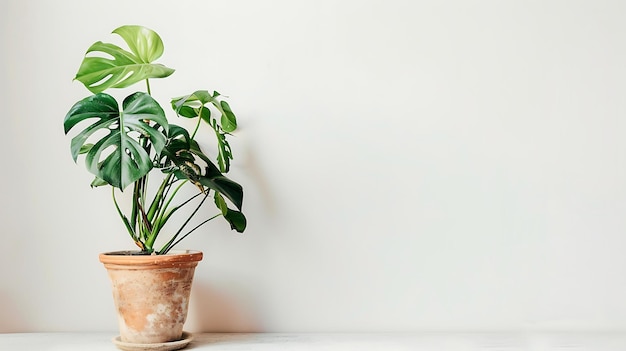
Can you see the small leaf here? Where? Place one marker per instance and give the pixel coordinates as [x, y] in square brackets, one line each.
[98, 182]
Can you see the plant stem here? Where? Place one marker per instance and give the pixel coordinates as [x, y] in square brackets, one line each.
[189, 232]
[134, 211]
[148, 86]
[169, 245]
[130, 230]
[197, 124]
[159, 197]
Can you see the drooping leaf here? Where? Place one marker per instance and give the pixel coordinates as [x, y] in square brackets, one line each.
[236, 219]
[189, 105]
[98, 182]
[229, 121]
[215, 180]
[220, 203]
[187, 167]
[109, 66]
[118, 157]
[224, 154]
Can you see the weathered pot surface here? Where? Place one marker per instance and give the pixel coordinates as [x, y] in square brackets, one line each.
[151, 293]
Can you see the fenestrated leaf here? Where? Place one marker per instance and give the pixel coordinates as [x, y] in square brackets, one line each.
[100, 72]
[117, 157]
[101, 106]
[195, 105]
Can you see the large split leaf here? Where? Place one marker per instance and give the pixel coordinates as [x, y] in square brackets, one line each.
[109, 66]
[118, 157]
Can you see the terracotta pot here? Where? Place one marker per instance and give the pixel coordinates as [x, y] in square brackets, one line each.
[151, 293]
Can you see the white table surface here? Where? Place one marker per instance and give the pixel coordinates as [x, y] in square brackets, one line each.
[514, 341]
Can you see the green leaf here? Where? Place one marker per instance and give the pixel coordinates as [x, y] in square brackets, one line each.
[228, 121]
[236, 219]
[187, 112]
[214, 179]
[224, 154]
[196, 100]
[193, 105]
[201, 95]
[187, 168]
[115, 67]
[176, 146]
[98, 182]
[205, 114]
[143, 42]
[118, 157]
[220, 203]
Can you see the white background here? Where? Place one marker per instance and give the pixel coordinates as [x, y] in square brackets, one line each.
[407, 165]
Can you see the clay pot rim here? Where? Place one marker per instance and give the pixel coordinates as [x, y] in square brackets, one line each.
[125, 258]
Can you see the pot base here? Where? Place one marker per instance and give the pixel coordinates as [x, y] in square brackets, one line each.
[162, 346]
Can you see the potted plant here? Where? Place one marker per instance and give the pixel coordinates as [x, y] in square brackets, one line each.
[129, 144]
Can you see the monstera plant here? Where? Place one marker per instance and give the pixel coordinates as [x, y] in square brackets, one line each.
[125, 145]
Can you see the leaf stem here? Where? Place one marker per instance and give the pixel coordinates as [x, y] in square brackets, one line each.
[197, 124]
[189, 232]
[169, 245]
[125, 221]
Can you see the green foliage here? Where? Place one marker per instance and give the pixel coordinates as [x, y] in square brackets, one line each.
[195, 105]
[129, 160]
[123, 147]
[99, 72]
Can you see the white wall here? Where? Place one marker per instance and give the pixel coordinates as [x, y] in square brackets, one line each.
[408, 165]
